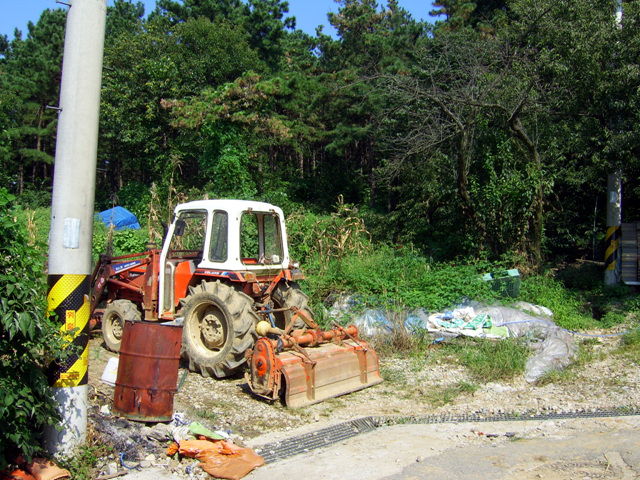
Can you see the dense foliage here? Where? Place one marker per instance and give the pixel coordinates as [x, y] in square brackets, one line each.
[490, 132]
[28, 341]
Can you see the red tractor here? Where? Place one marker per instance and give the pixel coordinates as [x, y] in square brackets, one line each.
[224, 267]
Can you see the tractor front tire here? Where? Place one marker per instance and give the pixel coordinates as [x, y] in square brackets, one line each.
[287, 296]
[113, 320]
[219, 327]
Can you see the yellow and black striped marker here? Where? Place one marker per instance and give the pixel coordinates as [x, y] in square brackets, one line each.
[69, 298]
[612, 241]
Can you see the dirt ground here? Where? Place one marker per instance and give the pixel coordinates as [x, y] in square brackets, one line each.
[554, 449]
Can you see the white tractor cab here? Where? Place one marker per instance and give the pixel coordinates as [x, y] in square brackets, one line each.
[224, 239]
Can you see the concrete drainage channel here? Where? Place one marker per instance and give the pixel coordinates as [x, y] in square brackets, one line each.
[272, 452]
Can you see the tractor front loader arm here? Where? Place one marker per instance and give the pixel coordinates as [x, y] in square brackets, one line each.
[133, 277]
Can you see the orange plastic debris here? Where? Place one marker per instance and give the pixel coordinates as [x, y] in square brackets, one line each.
[172, 450]
[19, 474]
[43, 469]
[221, 458]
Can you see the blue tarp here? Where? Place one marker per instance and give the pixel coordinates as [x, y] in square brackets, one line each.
[120, 217]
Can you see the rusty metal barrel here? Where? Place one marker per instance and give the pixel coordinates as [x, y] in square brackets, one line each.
[147, 371]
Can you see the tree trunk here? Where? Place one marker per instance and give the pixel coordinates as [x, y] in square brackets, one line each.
[462, 182]
[20, 177]
[537, 219]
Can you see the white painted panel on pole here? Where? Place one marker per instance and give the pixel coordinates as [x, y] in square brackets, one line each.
[71, 238]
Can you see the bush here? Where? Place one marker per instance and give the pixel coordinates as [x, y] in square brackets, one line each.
[388, 276]
[123, 242]
[135, 197]
[328, 237]
[28, 341]
[569, 307]
[630, 345]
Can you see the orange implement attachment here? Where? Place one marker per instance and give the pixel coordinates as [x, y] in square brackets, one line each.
[334, 363]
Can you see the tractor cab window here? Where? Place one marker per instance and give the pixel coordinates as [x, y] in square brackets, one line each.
[218, 246]
[260, 238]
[188, 235]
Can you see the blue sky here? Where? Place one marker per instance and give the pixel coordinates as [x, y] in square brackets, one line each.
[309, 13]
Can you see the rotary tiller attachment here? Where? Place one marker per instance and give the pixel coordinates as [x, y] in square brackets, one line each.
[332, 363]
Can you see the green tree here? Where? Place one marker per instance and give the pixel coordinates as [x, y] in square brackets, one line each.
[233, 11]
[162, 62]
[371, 41]
[263, 21]
[32, 80]
[464, 109]
[123, 17]
[267, 27]
[586, 62]
[464, 13]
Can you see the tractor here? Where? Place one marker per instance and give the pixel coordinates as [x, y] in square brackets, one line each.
[223, 269]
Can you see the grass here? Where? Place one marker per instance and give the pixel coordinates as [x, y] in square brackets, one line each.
[442, 395]
[489, 360]
[206, 414]
[392, 375]
[630, 345]
[83, 464]
[557, 377]
[576, 295]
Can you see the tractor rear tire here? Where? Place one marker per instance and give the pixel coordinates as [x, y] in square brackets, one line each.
[113, 320]
[219, 327]
[287, 296]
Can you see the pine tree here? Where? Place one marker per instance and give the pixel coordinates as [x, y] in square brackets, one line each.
[463, 13]
[33, 67]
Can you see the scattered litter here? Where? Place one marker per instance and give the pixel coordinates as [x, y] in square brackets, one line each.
[18, 474]
[110, 372]
[179, 418]
[119, 217]
[373, 322]
[128, 467]
[181, 433]
[554, 347]
[506, 282]
[198, 430]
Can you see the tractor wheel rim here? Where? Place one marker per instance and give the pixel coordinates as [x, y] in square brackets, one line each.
[116, 328]
[211, 330]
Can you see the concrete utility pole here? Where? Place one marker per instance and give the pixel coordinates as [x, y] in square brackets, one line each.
[614, 208]
[612, 239]
[72, 210]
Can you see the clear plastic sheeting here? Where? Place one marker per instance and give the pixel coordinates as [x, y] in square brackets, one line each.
[373, 322]
[554, 347]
